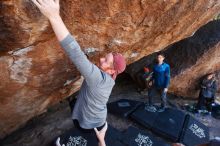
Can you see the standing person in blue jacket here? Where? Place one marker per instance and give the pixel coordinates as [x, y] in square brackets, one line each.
[160, 82]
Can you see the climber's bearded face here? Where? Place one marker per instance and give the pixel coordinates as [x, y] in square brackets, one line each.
[106, 63]
[160, 59]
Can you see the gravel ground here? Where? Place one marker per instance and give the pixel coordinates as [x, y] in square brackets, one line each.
[42, 130]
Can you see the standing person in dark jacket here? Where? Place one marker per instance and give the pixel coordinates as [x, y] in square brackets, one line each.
[160, 82]
[207, 93]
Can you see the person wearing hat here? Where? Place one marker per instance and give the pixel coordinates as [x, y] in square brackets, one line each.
[207, 92]
[90, 109]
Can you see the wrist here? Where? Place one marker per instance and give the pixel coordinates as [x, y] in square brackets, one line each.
[55, 18]
[102, 143]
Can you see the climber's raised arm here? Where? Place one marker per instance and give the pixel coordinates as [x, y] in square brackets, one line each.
[51, 9]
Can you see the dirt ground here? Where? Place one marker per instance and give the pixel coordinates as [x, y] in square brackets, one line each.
[42, 130]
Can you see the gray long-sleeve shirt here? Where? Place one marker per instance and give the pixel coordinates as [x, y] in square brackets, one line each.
[90, 108]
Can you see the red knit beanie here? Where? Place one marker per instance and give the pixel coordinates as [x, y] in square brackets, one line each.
[119, 64]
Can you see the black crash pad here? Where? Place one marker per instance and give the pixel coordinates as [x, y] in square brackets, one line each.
[170, 123]
[123, 107]
[113, 137]
[214, 143]
[216, 111]
[195, 133]
[144, 117]
[75, 137]
[136, 137]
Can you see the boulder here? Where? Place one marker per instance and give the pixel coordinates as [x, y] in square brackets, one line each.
[190, 60]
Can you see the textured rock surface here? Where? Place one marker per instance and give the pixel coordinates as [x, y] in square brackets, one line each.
[32, 79]
[190, 60]
[197, 56]
[34, 69]
[218, 77]
[136, 27]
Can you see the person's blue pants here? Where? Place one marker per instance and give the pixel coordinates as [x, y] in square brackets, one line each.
[154, 91]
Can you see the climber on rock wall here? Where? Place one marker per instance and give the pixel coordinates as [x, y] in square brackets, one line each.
[159, 83]
[90, 109]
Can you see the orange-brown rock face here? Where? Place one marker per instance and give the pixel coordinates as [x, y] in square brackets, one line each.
[32, 79]
[34, 71]
[193, 58]
[190, 60]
